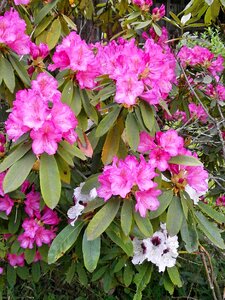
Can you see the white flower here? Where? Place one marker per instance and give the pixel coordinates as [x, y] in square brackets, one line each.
[194, 195]
[139, 252]
[74, 212]
[160, 249]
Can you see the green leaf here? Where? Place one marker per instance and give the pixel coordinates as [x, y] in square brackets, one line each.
[44, 11]
[108, 121]
[14, 156]
[128, 274]
[189, 235]
[90, 183]
[115, 235]
[70, 22]
[143, 24]
[148, 116]
[157, 29]
[18, 172]
[99, 273]
[53, 34]
[23, 272]
[36, 272]
[142, 278]
[50, 180]
[210, 230]
[20, 69]
[29, 255]
[174, 276]
[143, 224]
[126, 216]
[164, 200]
[11, 275]
[174, 217]
[103, 219]
[132, 132]
[185, 160]
[184, 203]
[14, 220]
[73, 150]
[63, 241]
[120, 264]
[93, 204]
[67, 93]
[91, 252]
[168, 285]
[89, 109]
[7, 74]
[43, 25]
[65, 155]
[212, 213]
[82, 274]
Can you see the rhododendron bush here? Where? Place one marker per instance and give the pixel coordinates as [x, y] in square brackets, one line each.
[112, 145]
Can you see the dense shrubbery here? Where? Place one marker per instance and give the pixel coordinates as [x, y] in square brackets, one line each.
[112, 171]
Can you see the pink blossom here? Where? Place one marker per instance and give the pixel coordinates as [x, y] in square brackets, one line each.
[144, 174]
[32, 204]
[147, 200]
[198, 112]
[197, 178]
[158, 13]
[104, 191]
[6, 204]
[46, 87]
[1, 270]
[39, 51]
[49, 217]
[143, 4]
[16, 260]
[170, 141]
[31, 227]
[19, 2]
[220, 201]
[216, 91]
[44, 236]
[26, 241]
[2, 143]
[37, 256]
[2, 176]
[159, 159]
[146, 142]
[12, 32]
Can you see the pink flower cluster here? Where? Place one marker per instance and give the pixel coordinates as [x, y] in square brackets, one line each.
[203, 57]
[143, 4]
[216, 91]
[40, 226]
[6, 203]
[19, 2]
[158, 13]
[17, 260]
[2, 143]
[130, 176]
[192, 179]
[12, 32]
[40, 112]
[148, 73]
[40, 51]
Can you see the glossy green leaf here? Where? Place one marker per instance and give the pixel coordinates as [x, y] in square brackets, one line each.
[189, 235]
[44, 11]
[53, 34]
[143, 24]
[30, 255]
[63, 241]
[18, 172]
[132, 132]
[174, 276]
[7, 73]
[91, 252]
[43, 25]
[212, 213]
[67, 93]
[89, 109]
[103, 219]
[90, 183]
[65, 155]
[20, 69]
[128, 274]
[143, 224]
[185, 160]
[50, 180]
[36, 272]
[11, 275]
[108, 121]
[14, 156]
[174, 216]
[210, 230]
[147, 115]
[126, 216]
[164, 200]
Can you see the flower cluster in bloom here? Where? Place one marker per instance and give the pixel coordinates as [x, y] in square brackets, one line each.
[12, 32]
[160, 249]
[202, 57]
[6, 203]
[143, 4]
[40, 112]
[16, 260]
[130, 176]
[80, 200]
[192, 179]
[148, 73]
[158, 13]
[216, 92]
[220, 201]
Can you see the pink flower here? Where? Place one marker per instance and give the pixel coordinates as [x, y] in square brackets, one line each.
[147, 200]
[31, 227]
[6, 204]
[197, 178]
[49, 217]
[46, 87]
[146, 142]
[2, 143]
[16, 260]
[19, 2]
[128, 88]
[220, 201]
[40, 51]
[159, 159]
[12, 32]
[2, 176]
[37, 256]
[144, 174]
[45, 139]
[170, 141]
[104, 191]
[32, 204]
[158, 13]
[198, 112]
[26, 241]
[44, 236]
